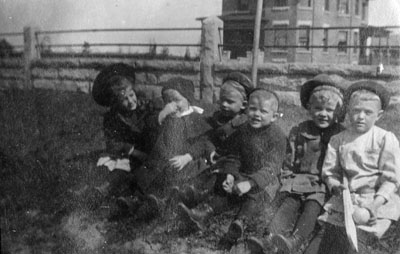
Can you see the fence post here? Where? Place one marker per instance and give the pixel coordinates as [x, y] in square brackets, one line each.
[30, 53]
[209, 54]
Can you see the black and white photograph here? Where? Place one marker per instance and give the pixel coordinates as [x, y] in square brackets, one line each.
[200, 126]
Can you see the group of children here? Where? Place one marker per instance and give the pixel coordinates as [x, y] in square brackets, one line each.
[239, 157]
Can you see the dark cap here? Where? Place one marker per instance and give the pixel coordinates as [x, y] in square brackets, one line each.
[184, 86]
[242, 79]
[101, 90]
[265, 90]
[308, 87]
[371, 86]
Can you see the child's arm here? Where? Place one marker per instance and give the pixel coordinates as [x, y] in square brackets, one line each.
[331, 170]
[389, 166]
[119, 140]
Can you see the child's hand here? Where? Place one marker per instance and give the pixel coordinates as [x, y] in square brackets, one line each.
[242, 188]
[337, 190]
[111, 164]
[102, 161]
[373, 212]
[227, 185]
[373, 208]
[180, 161]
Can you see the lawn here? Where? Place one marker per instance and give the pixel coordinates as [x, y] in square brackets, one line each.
[49, 142]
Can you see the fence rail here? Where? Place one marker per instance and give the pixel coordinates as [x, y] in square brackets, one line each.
[113, 30]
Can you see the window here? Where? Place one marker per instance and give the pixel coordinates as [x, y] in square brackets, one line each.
[304, 37]
[355, 42]
[343, 6]
[280, 3]
[280, 36]
[364, 10]
[342, 41]
[326, 6]
[306, 3]
[357, 7]
[243, 5]
[325, 40]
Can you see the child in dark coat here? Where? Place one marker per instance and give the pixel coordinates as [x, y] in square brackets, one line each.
[224, 123]
[179, 149]
[251, 170]
[303, 189]
[123, 125]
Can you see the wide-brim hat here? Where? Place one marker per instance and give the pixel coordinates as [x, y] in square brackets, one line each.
[242, 79]
[320, 80]
[371, 86]
[101, 90]
[184, 86]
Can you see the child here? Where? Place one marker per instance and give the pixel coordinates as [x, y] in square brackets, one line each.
[224, 122]
[303, 190]
[251, 170]
[368, 157]
[179, 146]
[123, 125]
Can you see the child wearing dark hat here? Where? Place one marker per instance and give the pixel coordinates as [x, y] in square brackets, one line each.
[123, 123]
[179, 148]
[224, 123]
[368, 158]
[250, 170]
[302, 187]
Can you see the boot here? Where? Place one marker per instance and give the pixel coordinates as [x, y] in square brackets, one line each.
[235, 232]
[129, 204]
[287, 245]
[189, 195]
[196, 217]
[260, 246]
[152, 207]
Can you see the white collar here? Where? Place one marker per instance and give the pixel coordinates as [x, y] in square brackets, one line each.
[190, 110]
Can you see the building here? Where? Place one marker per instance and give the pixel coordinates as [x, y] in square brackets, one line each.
[299, 30]
[239, 18]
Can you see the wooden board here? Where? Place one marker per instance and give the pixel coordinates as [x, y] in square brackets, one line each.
[351, 230]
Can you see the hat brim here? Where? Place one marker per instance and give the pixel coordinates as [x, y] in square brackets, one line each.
[308, 87]
[242, 79]
[101, 90]
[371, 86]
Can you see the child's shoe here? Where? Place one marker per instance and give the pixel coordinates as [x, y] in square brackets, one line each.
[287, 245]
[260, 246]
[129, 204]
[197, 217]
[189, 195]
[103, 189]
[151, 208]
[235, 232]
[255, 245]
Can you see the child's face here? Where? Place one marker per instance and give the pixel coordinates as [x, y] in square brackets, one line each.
[231, 101]
[363, 114]
[170, 95]
[127, 100]
[261, 112]
[323, 113]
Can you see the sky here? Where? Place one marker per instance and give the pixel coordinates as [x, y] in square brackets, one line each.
[90, 14]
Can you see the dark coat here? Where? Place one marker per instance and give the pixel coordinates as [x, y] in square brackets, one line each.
[121, 132]
[178, 136]
[257, 155]
[305, 156]
[224, 130]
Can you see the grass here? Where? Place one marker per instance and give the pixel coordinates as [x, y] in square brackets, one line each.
[49, 143]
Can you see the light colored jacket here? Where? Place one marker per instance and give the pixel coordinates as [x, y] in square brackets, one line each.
[371, 162]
